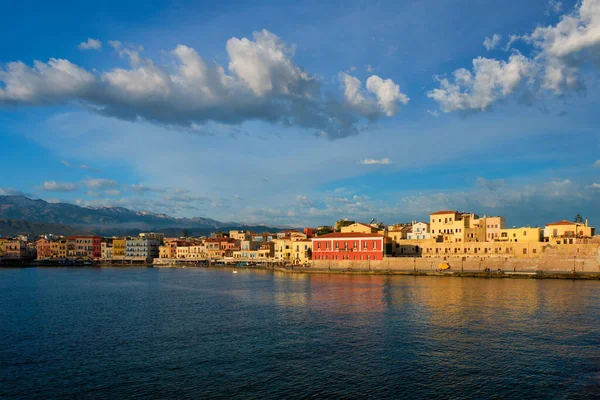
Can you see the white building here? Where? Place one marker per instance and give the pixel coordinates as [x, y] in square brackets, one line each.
[420, 231]
[138, 248]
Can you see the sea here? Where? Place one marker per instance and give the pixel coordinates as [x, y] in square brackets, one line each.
[198, 333]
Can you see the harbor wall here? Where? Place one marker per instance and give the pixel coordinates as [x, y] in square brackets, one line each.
[545, 263]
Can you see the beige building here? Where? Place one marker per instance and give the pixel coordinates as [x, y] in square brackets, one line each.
[301, 251]
[359, 227]
[566, 231]
[522, 235]
[450, 226]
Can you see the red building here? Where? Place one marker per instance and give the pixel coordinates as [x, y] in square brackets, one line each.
[310, 232]
[84, 246]
[348, 246]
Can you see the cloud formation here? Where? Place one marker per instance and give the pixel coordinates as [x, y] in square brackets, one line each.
[100, 184]
[53, 186]
[91, 44]
[261, 82]
[559, 54]
[492, 43]
[381, 96]
[372, 161]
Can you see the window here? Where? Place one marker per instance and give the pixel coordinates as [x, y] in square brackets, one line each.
[524, 233]
[374, 245]
[524, 251]
[337, 245]
[365, 245]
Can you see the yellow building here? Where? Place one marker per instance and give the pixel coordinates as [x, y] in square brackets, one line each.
[522, 235]
[183, 252]
[283, 249]
[164, 252]
[300, 251]
[565, 231]
[119, 248]
[360, 228]
[450, 226]
[59, 249]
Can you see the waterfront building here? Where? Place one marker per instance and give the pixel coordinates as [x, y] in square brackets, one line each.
[566, 231]
[44, 248]
[164, 252]
[182, 252]
[58, 248]
[283, 248]
[119, 246]
[84, 247]
[213, 247]
[141, 249]
[348, 246]
[266, 250]
[523, 235]
[420, 231]
[106, 250]
[301, 251]
[450, 226]
[159, 237]
[17, 250]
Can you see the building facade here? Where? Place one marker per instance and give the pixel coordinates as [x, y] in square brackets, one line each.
[348, 246]
[138, 248]
[84, 247]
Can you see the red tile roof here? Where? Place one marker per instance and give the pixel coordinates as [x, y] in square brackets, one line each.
[564, 222]
[339, 235]
[444, 212]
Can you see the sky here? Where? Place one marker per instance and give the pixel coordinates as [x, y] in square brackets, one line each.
[301, 113]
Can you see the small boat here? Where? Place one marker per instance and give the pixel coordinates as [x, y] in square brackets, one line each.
[444, 266]
[235, 272]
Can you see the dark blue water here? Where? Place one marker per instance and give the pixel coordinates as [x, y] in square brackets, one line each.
[198, 333]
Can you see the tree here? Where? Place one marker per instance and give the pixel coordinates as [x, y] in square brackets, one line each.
[186, 233]
[578, 219]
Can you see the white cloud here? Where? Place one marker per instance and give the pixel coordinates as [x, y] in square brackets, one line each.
[554, 6]
[53, 186]
[373, 161]
[65, 163]
[261, 82]
[492, 43]
[595, 186]
[91, 44]
[369, 68]
[12, 192]
[100, 184]
[559, 54]
[143, 189]
[387, 95]
[478, 90]
[597, 164]
[433, 113]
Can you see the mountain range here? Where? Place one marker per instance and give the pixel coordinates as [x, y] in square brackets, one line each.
[40, 216]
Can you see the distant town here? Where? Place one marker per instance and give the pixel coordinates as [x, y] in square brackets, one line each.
[446, 234]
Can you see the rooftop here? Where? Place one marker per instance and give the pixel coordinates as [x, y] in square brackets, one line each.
[444, 212]
[348, 235]
[565, 222]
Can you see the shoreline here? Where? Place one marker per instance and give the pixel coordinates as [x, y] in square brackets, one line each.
[349, 271]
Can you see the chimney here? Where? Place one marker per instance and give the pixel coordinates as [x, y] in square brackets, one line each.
[586, 222]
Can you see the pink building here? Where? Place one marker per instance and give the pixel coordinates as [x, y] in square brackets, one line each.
[348, 246]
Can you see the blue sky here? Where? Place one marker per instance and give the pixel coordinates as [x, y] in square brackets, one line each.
[301, 113]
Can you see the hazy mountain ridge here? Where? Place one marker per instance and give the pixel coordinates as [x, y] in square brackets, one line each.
[19, 214]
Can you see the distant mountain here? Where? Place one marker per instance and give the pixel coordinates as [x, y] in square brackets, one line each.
[103, 220]
[13, 228]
